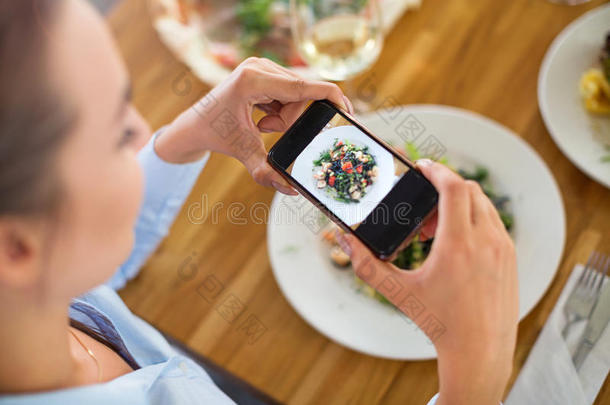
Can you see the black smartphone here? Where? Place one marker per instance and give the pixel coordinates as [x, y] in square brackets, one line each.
[355, 178]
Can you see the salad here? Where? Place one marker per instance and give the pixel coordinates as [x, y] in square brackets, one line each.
[416, 252]
[236, 29]
[346, 171]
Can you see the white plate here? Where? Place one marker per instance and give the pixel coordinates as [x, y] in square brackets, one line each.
[575, 131]
[326, 297]
[350, 213]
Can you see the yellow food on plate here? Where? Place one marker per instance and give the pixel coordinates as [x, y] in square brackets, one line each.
[595, 91]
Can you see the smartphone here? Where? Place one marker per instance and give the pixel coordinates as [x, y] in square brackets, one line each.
[360, 182]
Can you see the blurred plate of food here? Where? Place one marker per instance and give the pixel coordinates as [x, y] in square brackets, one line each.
[316, 277]
[358, 155]
[574, 93]
[213, 36]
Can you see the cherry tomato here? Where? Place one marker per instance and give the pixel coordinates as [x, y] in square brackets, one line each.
[331, 181]
[296, 61]
[347, 167]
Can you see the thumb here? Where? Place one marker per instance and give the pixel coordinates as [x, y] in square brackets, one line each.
[264, 175]
[428, 229]
[454, 211]
[384, 277]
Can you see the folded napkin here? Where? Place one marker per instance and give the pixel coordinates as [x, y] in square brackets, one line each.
[549, 376]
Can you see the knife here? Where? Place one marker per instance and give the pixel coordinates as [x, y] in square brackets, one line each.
[598, 320]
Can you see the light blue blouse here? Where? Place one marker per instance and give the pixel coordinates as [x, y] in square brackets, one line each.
[165, 377]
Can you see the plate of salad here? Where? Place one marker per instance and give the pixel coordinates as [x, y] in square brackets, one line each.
[319, 282]
[347, 171]
[416, 252]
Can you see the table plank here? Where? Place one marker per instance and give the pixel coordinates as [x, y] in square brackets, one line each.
[483, 56]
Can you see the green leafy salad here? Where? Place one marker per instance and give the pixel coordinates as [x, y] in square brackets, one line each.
[417, 251]
[345, 171]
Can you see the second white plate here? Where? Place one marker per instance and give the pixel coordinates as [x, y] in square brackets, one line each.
[574, 130]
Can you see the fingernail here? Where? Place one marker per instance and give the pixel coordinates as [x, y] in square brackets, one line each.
[351, 106]
[264, 128]
[423, 162]
[283, 189]
[343, 242]
[348, 105]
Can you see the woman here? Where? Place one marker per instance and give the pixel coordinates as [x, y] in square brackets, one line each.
[76, 169]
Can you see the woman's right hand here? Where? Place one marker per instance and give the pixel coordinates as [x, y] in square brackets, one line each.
[222, 120]
[464, 296]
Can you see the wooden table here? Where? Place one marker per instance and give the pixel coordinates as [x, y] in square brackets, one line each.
[481, 55]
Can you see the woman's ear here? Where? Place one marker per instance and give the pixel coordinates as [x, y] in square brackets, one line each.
[20, 251]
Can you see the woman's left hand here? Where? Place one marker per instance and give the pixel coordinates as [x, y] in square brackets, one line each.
[222, 120]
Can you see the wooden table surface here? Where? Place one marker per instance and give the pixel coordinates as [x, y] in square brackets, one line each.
[481, 55]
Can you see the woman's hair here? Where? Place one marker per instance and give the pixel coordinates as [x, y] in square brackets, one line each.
[34, 120]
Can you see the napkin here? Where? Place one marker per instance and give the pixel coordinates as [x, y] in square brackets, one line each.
[549, 376]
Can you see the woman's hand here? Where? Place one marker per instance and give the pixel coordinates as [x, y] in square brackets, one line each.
[222, 120]
[464, 296]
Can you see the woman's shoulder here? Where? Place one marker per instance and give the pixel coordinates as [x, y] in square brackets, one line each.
[164, 374]
[178, 380]
[103, 307]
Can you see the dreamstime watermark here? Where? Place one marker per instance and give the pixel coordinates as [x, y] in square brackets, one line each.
[223, 122]
[294, 210]
[299, 210]
[406, 302]
[227, 304]
[406, 125]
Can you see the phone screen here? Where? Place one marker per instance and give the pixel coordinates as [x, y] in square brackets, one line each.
[361, 181]
[346, 170]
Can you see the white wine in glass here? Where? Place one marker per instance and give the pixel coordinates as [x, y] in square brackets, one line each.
[338, 39]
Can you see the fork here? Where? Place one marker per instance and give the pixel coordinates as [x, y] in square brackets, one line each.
[586, 291]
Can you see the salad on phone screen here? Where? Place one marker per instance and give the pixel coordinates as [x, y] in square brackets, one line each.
[346, 171]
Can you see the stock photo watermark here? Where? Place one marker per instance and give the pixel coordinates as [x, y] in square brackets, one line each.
[293, 210]
[222, 121]
[413, 309]
[406, 125]
[299, 210]
[226, 303]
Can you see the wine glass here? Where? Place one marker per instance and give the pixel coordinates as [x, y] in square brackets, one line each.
[338, 38]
